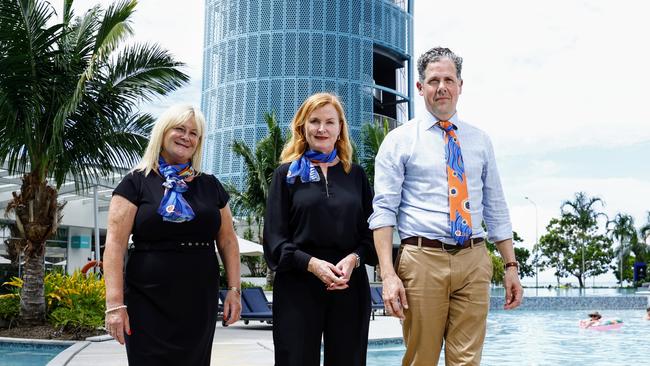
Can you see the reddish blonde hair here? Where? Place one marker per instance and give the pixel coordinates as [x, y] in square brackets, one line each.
[297, 144]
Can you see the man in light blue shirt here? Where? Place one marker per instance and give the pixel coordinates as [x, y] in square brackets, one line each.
[439, 284]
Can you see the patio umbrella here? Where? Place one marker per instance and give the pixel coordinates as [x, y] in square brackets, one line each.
[247, 247]
[4, 260]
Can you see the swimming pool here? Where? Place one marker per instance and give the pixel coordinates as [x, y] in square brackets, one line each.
[28, 354]
[548, 338]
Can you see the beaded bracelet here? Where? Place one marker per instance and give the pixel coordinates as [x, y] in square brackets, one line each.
[115, 308]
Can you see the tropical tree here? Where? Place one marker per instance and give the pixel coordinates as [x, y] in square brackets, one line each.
[644, 231]
[621, 229]
[573, 251]
[69, 91]
[372, 137]
[260, 165]
[583, 208]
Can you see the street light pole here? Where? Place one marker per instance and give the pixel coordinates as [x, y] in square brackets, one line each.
[536, 245]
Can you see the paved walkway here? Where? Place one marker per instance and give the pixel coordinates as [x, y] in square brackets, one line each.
[236, 345]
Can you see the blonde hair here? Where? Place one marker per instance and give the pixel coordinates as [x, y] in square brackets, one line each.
[297, 144]
[174, 116]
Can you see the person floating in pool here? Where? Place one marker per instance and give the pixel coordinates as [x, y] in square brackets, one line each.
[647, 314]
[594, 319]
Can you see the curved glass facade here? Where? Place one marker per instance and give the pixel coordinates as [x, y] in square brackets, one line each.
[269, 55]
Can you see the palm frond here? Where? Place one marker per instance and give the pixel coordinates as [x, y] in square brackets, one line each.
[115, 28]
[142, 71]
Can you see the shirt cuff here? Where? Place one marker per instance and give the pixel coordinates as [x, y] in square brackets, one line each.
[301, 259]
[501, 233]
[379, 220]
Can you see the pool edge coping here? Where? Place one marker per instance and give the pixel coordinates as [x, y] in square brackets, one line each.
[68, 354]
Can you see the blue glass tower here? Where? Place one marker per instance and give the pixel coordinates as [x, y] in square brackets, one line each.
[269, 55]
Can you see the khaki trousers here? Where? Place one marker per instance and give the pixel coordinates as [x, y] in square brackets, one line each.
[448, 298]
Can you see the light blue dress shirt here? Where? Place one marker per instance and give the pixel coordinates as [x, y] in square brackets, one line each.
[411, 182]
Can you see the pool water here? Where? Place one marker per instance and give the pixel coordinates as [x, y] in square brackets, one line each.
[563, 292]
[549, 338]
[28, 354]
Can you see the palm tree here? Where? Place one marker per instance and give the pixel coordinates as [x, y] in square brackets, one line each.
[69, 92]
[583, 209]
[644, 231]
[372, 136]
[622, 230]
[260, 166]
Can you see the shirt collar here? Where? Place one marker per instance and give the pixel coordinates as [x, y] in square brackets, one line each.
[430, 120]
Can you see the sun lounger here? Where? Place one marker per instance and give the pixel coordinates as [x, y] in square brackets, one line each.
[254, 305]
[376, 300]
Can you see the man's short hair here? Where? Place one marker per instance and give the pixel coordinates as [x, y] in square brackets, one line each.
[648, 309]
[436, 54]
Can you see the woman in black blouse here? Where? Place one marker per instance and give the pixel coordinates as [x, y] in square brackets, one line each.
[170, 282]
[316, 237]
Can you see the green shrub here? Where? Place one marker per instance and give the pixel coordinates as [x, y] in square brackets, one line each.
[246, 284]
[76, 318]
[9, 307]
[10, 303]
[74, 302]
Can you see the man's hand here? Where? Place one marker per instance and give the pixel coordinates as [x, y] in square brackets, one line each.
[514, 291]
[394, 296]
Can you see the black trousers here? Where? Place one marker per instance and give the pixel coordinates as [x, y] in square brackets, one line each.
[304, 311]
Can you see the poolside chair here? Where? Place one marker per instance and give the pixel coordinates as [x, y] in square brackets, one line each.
[376, 300]
[254, 306]
[259, 306]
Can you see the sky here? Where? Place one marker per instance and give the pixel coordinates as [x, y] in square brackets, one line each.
[559, 85]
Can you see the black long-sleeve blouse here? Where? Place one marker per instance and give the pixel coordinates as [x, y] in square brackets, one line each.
[305, 219]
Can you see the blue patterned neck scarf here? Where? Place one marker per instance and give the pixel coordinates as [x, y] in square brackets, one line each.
[305, 169]
[173, 207]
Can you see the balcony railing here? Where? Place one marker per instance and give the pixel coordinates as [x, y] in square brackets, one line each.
[378, 120]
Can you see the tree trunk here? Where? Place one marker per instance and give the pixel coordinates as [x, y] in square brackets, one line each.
[32, 296]
[37, 218]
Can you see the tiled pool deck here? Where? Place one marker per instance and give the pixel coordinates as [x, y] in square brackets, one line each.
[252, 345]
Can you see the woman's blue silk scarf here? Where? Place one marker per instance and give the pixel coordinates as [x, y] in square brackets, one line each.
[174, 207]
[305, 169]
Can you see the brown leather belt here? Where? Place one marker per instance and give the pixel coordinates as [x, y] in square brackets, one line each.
[431, 243]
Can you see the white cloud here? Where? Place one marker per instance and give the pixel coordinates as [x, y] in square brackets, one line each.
[547, 75]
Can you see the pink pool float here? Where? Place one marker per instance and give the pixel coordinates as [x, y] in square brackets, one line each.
[604, 324]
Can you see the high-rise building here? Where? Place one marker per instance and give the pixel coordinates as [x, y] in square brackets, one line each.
[269, 55]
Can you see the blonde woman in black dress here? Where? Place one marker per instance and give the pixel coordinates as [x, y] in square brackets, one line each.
[316, 237]
[163, 305]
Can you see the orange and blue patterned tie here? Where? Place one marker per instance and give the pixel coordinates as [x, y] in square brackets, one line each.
[459, 213]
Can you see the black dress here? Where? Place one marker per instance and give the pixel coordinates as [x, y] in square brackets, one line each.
[171, 290]
[327, 220]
